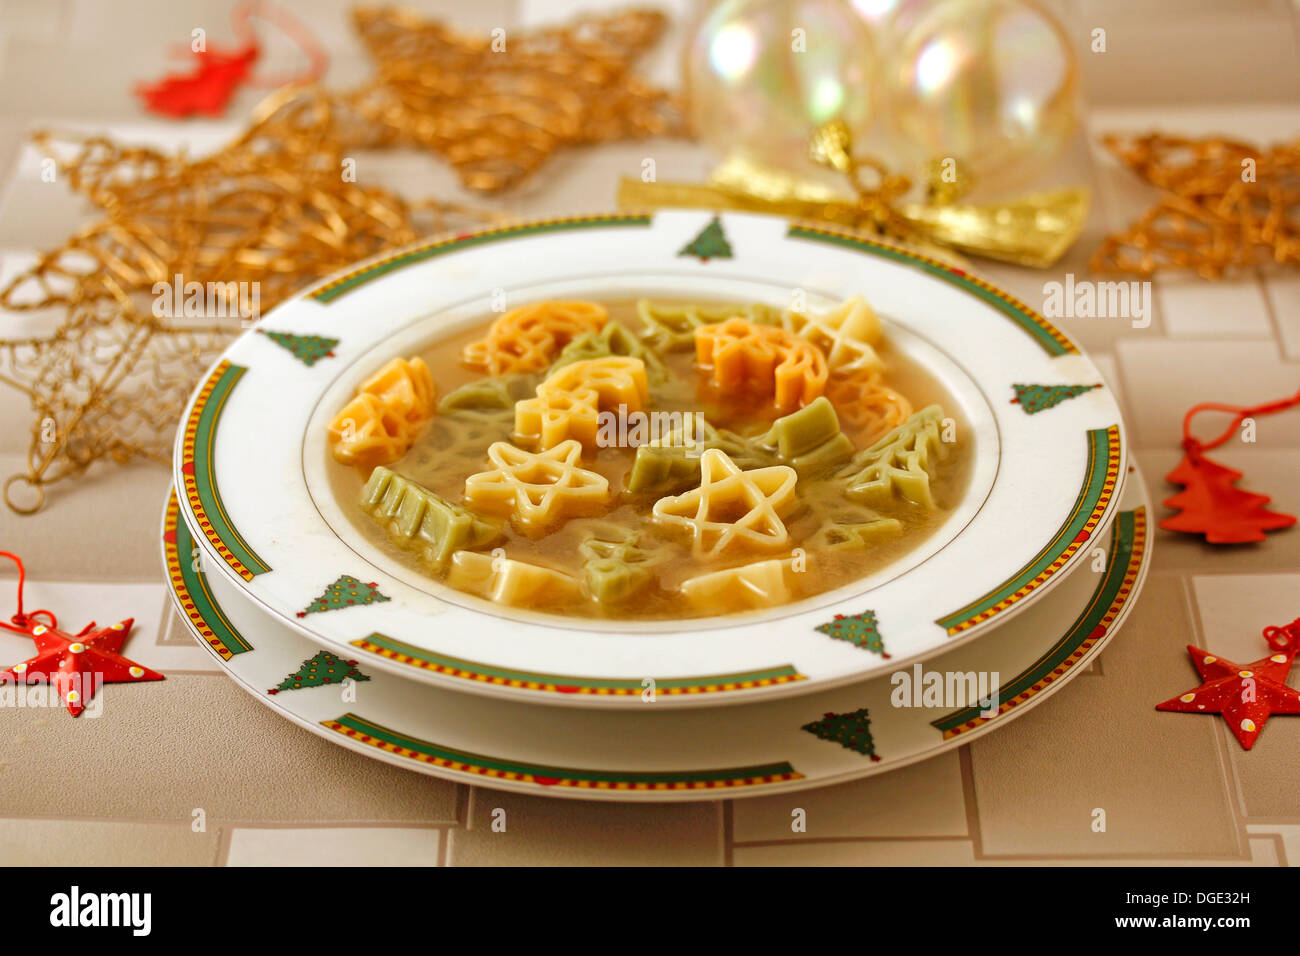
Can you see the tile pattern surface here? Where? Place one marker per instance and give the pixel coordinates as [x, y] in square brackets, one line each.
[193, 771]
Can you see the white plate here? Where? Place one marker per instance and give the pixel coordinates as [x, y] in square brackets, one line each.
[653, 753]
[252, 463]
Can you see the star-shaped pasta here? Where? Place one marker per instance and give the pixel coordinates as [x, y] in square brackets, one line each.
[732, 507]
[569, 402]
[537, 489]
[846, 334]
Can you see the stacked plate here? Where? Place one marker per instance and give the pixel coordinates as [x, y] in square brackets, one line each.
[1018, 589]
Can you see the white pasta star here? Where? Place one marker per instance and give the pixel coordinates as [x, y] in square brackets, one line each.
[846, 334]
[765, 494]
[536, 488]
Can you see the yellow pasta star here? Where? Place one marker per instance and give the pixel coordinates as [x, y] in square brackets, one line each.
[537, 488]
[569, 402]
[732, 507]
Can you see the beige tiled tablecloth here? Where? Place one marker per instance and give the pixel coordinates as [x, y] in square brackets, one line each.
[1175, 788]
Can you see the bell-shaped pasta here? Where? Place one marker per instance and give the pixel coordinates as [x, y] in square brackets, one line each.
[809, 440]
[507, 581]
[760, 584]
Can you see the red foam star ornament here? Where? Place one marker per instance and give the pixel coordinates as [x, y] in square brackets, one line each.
[76, 664]
[1245, 695]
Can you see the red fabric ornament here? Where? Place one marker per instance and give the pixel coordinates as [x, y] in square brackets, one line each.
[207, 90]
[1246, 695]
[74, 664]
[1210, 503]
[217, 74]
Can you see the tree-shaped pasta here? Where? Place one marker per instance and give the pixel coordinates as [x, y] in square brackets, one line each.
[899, 465]
[422, 521]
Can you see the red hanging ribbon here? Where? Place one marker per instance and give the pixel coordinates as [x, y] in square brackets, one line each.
[21, 620]
[1210, 503]
[208, 88]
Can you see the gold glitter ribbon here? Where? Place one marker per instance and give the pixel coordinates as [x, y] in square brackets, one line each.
[1032, 230]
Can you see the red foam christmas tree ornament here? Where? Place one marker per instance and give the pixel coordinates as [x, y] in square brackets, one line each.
[74, 664]
[1210, 502]
[1245, 695]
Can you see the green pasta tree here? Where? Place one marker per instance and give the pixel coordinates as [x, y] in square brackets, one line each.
[711, 243]
[306, 348]
[898, 465]
[851, 731]
[322, 669]
[422, 520]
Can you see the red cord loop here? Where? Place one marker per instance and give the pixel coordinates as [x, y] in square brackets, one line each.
[20, 620]
[1194, 446]
[1283, 638]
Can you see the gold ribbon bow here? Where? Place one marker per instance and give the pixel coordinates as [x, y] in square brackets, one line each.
[1033, 230]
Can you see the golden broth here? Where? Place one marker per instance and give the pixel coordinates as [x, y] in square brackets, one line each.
[454, 446]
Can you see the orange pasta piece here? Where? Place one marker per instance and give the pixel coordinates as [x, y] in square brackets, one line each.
[866, 404]
[528, 338]
[743, 355]
[381, 422]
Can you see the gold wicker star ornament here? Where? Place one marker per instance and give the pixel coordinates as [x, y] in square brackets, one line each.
[251, 224]
[498, 104]
[1226, 205]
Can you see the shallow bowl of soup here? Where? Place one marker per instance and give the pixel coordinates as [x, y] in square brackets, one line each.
[604, 461]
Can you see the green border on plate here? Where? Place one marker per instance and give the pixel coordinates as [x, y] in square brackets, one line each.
[353, 280]
[1121, 565]
[1100, 477]
[200, 482]
[1053, 341]
[385, 738]
[404, 653]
